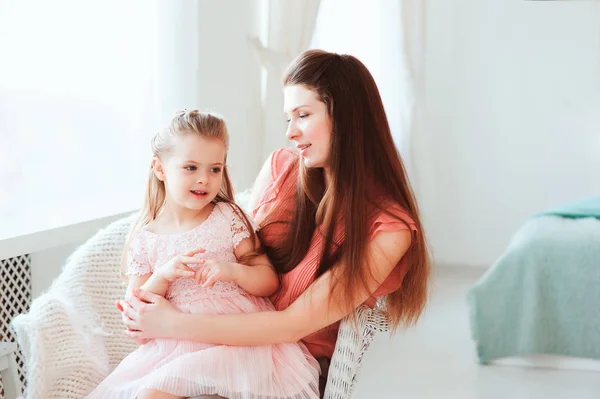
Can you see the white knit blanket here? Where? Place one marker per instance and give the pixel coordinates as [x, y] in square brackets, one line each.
[72, 336]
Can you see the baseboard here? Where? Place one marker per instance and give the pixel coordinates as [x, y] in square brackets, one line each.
[550, 362]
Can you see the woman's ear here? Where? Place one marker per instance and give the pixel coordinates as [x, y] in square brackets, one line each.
[158, 168]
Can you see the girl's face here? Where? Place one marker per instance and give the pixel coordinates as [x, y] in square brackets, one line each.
[192, 171]
[309, 125]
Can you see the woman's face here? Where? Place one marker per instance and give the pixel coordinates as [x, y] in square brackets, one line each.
[309, 125]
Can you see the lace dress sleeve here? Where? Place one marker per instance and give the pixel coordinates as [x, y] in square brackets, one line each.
[137, 256]
[238, 227]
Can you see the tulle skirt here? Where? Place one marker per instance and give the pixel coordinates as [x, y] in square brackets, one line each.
[187, 369]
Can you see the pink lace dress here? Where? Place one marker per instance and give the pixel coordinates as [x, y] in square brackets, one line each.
[187, 368]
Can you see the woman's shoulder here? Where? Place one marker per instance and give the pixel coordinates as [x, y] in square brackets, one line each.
[279, 190]
[284, 167]
[282, 160]
[389, 215]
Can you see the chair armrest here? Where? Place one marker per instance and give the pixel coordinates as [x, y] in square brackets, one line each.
[63, 358]
[350, 348]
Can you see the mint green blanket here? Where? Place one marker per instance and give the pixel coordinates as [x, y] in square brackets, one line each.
[543, 294]
[583, 208]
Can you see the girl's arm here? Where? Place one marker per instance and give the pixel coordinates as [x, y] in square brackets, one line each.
[155, 284]
[153, 316]
[159, 281]
[259, 276]
[135, 282]
[138, 267]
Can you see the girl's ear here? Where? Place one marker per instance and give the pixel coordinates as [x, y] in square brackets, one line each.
[158, 168]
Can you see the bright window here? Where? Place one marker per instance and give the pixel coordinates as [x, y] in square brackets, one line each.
[78, 104]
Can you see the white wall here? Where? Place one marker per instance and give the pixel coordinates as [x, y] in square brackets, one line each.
[512, 119]
[46, 266]
[229, 81]
[209, 63]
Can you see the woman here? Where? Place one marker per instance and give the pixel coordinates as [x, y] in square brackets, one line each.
[337, 218]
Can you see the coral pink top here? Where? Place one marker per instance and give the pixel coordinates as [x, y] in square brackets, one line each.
[278, 199]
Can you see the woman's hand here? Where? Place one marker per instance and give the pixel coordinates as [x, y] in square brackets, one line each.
[148, 316]
[125, 319]
[178, 266]
[212, 271]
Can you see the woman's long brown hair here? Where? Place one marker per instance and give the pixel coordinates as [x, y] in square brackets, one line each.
[364, 166]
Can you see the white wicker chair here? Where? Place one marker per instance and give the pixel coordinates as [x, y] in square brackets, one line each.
[71, 338]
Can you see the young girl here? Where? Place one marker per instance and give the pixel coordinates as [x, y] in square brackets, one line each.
[197, 248]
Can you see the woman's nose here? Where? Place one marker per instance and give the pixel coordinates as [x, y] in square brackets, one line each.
[292, 132]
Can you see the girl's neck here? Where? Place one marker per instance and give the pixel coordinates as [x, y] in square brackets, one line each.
[182, 217]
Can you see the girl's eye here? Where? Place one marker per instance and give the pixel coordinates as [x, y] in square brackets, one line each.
[215, 170]
[191, 168]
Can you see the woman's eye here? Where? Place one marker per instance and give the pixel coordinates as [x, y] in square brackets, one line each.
[302, 116]
[191, 168]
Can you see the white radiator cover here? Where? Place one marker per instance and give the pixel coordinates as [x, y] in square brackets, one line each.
[15, 298]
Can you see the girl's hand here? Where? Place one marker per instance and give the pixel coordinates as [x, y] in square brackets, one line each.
[178, 266]
[215, 270]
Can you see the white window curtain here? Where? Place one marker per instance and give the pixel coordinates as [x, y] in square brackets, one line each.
[289, 27]
[388, 37]
[78, 104]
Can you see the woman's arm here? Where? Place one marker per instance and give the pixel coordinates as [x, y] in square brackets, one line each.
[135, 282]
[312, 311]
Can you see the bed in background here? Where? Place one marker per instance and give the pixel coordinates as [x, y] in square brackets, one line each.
[542, 296]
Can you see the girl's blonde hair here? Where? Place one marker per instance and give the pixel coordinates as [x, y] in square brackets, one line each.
[204, 124]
